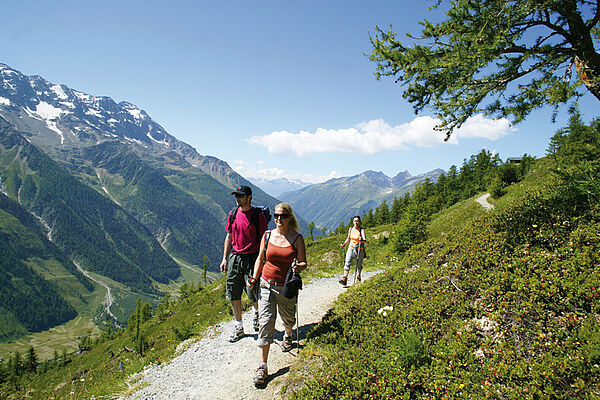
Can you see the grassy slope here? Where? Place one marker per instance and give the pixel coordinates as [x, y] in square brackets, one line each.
[505, 306]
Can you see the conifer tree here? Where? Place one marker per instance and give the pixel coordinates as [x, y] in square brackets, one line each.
[205, 266]
[31, 361]
[503, 58]
[17, 364]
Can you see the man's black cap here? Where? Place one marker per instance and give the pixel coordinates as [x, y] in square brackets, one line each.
[243, 190]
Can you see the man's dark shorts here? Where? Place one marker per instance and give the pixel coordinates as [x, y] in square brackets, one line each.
[239, 271]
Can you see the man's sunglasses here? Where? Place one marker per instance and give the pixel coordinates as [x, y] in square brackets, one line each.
[283, 216]
[237, 195]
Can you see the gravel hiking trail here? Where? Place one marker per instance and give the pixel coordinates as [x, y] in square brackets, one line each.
[483, 200]
[213, 368]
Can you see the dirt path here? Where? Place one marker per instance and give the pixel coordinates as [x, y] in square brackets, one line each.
[213, 368]
[483, 200]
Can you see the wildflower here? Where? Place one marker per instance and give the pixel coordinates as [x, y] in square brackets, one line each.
[383, 310]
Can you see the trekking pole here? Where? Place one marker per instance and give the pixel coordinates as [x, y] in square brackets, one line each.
[297, 316]
[356, 267]
[297, 325]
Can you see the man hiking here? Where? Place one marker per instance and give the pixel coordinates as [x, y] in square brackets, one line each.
[245, 226]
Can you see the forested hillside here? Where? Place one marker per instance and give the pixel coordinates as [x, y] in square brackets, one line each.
[30, 298]
[86, 225]
[164, 209]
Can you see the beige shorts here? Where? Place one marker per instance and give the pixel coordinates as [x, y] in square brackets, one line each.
[271, 301]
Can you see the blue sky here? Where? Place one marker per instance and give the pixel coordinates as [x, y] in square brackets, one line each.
[275, 88]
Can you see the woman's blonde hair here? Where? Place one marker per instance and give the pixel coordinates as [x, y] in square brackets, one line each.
[288, 209]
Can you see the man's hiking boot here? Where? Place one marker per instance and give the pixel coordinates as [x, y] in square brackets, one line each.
[358, 279]
[261, 376]
[344, 281]
[237, 334]
[287, 344]
[255, 323]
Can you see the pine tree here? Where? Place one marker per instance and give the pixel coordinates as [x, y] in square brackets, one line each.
[17, 365]
[31, 362]
[63, 358]
[206, 262]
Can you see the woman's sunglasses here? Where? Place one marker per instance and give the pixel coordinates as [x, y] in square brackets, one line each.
[283, 216]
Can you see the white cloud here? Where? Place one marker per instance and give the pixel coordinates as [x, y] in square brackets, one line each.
[377, 136]
[250, 171]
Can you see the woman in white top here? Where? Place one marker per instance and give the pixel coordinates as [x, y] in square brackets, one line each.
[356, 238]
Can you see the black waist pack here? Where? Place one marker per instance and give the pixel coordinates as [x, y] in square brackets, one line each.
[293, 283]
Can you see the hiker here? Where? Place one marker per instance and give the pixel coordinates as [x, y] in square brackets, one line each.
[280, 249]
[356, 238]
[245, 225]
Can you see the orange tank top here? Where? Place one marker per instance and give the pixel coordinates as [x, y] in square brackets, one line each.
[355, 237]
[279, 261]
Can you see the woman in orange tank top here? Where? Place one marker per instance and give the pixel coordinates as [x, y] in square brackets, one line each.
[285, 249]
[357, 238]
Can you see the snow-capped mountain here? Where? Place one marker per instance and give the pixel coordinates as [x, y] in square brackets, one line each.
[68, 116]
[276, 187]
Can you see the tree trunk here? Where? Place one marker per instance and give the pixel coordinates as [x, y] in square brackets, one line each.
[589, 76]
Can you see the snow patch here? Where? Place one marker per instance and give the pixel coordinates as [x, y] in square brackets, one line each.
[134, 141]
[58, 90]
[4, 101]
[54, 127]
[94, 113]
[47, 111]
[135, 112]
[83, 96]
[8, 71]
[67, 104]
[163, 142]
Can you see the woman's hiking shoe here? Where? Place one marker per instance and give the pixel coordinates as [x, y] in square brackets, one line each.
[237, 334]
[261, 376]
[287, 344]
[255, 323]
[344, 281]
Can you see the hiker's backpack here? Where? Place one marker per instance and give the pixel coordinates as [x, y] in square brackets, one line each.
[254, 218]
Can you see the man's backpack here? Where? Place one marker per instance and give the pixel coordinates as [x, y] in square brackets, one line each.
[254, 218]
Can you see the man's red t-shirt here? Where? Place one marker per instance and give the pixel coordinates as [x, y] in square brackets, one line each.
[243, 232]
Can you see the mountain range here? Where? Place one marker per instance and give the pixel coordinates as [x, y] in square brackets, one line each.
[96, 194]
[276, 187]
[109, 191]
[337, 200]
